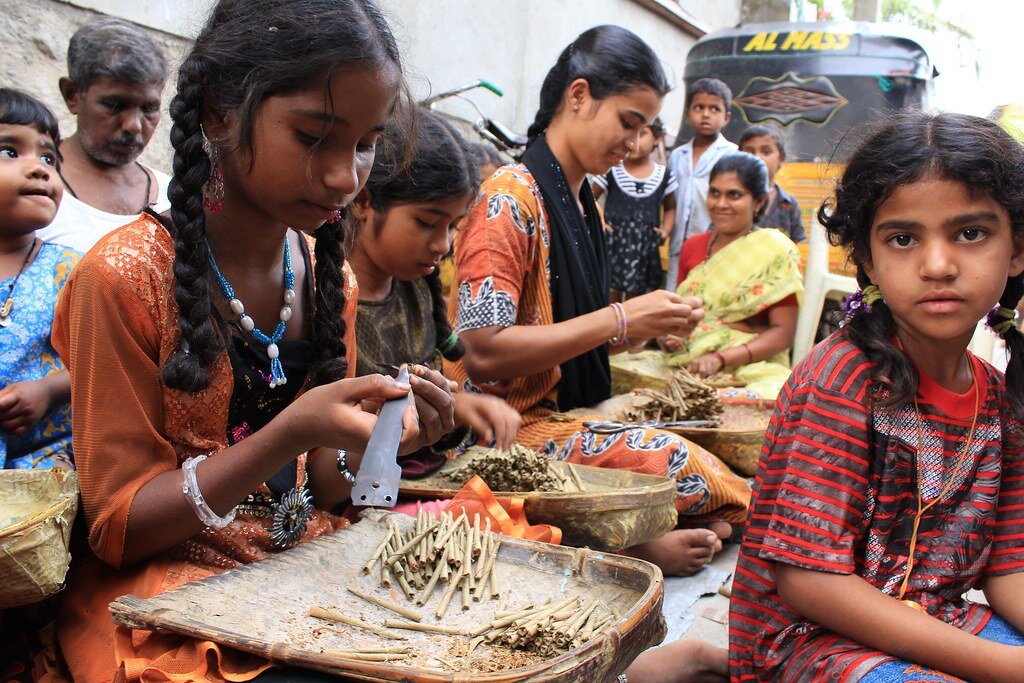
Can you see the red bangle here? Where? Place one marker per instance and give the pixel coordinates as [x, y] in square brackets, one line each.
[720, 357]
[750, 354]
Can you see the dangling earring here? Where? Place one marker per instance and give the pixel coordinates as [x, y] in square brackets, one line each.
[334, 217]
[213, 190]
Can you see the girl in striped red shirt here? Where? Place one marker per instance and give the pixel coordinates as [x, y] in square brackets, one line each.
[891, 480]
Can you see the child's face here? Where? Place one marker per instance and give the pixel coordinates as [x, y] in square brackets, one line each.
[707, 114]
[291, 177]
[408, 240]
[30, 189]
[764, 147]
[603, 131]
[730, 204]
[941, 256]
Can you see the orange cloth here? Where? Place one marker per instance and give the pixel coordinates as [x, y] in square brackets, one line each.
[507, 514]
[115, 326]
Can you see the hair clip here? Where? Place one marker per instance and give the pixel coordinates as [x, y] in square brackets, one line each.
[1001, 320]
[860, 302]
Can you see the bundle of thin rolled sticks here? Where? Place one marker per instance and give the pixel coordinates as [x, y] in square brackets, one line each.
[548, 629]
[448, 549]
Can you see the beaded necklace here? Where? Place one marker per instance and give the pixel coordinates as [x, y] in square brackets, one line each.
[277, 376]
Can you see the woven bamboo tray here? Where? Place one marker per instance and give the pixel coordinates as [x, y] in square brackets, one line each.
[261, 608]
[37, 509]
[617, 509]
[738, 447]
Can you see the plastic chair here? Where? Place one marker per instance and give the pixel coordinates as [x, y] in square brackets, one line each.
[819, 284]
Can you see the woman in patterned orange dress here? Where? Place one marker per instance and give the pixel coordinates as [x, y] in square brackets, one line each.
[531, 296]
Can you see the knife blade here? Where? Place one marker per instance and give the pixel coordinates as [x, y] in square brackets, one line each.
[379, 472]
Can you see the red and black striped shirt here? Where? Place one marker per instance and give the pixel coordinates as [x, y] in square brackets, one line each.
[836, 491]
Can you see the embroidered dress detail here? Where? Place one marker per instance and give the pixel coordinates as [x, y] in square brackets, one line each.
[277, 376]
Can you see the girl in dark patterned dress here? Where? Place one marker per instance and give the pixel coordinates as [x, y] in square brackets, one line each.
[891, 480]
[638, 190]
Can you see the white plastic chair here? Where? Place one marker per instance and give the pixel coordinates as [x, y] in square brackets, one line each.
[819, 284]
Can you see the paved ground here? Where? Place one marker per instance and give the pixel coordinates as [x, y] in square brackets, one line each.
[693, 605]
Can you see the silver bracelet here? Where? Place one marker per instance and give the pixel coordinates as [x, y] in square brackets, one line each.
[343, 467]
[190, 487]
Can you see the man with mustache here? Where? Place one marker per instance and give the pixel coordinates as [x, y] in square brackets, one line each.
[116, 74]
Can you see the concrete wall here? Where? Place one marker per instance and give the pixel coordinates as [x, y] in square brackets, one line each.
[35, 36]
[444, 43]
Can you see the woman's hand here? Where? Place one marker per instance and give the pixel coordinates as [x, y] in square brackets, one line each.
[342, 414]
[22, 405]
[489, 417]
[434, 408]
[659, 313]
[707, 365]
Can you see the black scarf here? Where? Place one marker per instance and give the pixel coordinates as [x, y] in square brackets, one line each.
[579, 273]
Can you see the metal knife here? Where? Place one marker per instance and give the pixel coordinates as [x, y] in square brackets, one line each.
[379, 473]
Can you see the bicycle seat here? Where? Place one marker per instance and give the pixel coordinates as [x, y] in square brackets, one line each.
[506, 136]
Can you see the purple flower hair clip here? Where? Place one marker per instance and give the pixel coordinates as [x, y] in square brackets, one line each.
[859, 302]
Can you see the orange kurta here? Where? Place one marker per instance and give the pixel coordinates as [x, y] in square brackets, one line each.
[503, 279]
[115, 326]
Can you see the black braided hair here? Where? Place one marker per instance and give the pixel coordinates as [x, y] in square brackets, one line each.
[611, 59]
[441, 165]
[900, 150]
[250, 50]
[1014, 339]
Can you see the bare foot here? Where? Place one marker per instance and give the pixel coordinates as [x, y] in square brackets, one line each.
[681, 661]
[681, 552]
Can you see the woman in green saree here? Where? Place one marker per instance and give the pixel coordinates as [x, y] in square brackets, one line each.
[749, 279]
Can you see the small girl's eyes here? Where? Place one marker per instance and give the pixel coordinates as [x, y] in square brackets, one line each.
[970, 235]
[48, 159]
[8, 153]
[901, 240]
[306, 139]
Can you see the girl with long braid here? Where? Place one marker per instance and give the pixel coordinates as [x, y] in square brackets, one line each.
[531, 291]
[405, 217]
[211, 351]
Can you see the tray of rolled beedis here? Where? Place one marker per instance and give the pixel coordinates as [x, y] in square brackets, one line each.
[431, 598]
[595, 507]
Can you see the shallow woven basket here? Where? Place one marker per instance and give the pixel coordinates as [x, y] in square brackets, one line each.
[37, 509]
[738, 448]
[618, 509]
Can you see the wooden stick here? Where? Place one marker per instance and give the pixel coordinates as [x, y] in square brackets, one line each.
[575, 476]
[407, 546]
[377, 553]
[321, 613]
[444, 529]
[398, 609]
[394, 650]
[369, 656]
[504, 598]
[453, 585]
[493, 571]
[406, 588]
[425, 594]
[426, 628]
[476, 535]
[481, 562]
